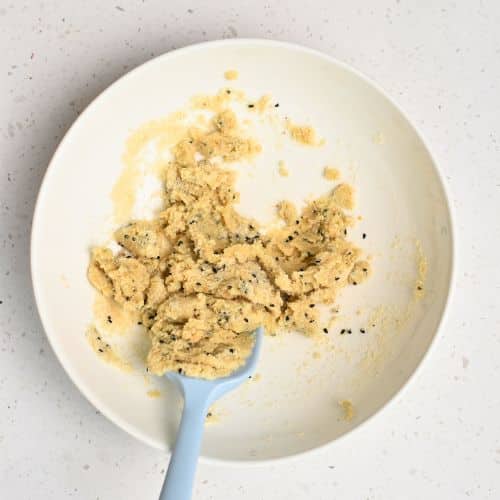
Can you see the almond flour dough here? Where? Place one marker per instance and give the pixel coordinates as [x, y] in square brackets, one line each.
[331, 174]
[231, 74]
[304, 134]
[201, 277]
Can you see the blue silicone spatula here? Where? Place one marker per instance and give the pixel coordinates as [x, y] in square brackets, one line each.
[198, 395]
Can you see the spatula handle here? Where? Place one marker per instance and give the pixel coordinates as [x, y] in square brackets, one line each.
[181, 471]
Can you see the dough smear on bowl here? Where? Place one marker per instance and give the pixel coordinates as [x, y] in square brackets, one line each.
[202, 277]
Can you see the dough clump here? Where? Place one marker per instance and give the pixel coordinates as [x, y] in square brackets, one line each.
[202, 277]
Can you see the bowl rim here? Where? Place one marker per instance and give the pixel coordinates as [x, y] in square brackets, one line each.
[114, 417]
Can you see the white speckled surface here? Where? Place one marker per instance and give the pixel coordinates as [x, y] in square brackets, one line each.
[441, 61]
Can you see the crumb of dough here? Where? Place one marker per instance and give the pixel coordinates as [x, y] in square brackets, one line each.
[348, 412]
[262, 104]
[359, 272]
[303, 134]
[282, 170]
[202, 277]
[154, 394]
[343, 195]
[331, 174]
[231, 74]
[105, 351]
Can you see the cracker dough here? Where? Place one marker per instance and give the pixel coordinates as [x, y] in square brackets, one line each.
[348, 412]
[331, 174]
[304, 134]
[231, 74]
[201, 277]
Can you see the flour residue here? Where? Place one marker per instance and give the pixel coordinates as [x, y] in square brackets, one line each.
[106, 351]
[111, 318]
[147, 152]
[421, 271]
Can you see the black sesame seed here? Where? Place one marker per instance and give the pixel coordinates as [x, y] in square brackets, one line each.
[277, 105]
[229, 287]
[100, 350]
[364, 235]
[354, 283]
[271, 305]
[231, 350]
[312, 305]
[337, 278]
[349, 331]
[362, 330]
[245, 320]
[325, 330]
[342, 331]
[251, 105]
[179, 370]
[110, 320]
[287, 318]
[419, 288]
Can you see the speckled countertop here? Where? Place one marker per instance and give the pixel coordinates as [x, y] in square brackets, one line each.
[441, 61]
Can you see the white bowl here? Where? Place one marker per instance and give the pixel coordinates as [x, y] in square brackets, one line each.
[294, 406]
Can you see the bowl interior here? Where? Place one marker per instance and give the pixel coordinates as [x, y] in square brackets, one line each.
[293, 406]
